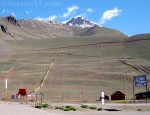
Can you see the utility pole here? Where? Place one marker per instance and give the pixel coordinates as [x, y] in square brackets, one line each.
[34, 86]
[125, 89]
[125, 77]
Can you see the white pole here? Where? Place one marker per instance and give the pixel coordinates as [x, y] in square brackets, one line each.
[5, 83]
[103, 98]
[6, 90]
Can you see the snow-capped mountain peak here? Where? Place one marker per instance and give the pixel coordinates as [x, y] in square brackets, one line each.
[80, 22]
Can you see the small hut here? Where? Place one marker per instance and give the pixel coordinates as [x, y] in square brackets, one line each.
[22, 92]
[142, 95]
[118, 95]
[106, 97]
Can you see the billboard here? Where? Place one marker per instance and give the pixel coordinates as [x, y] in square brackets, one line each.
[140, 81]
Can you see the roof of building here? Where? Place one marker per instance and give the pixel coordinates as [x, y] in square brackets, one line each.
[117, 92]
[143, 92]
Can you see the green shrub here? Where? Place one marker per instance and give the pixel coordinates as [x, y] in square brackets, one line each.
[68, 106]
[93, 107]
[99, 109]
[66, 109]
[56, 107]
[38, 106]
[84, 106]
[45, 105]
[139, 110]
[42, 106]
[74, 109]
[62, 107]
[71, 108]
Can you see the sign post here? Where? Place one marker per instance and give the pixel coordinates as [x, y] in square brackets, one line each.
[140, 81]
[133, 91]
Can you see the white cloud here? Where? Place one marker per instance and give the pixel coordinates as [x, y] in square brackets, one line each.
[86, 12]
[70, 11]
[28, 12]
[109, 14]
[3, 11]
[89, 10]
[13, 14]
[53, 17]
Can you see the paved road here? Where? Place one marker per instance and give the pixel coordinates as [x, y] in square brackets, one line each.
[23, 109]
[18, 109]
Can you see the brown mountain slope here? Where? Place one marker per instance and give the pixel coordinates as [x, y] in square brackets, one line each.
[87, 61]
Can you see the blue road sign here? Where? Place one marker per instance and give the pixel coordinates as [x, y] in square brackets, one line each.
[140, 81]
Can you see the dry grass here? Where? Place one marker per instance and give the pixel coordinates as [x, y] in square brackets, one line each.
[80, 73]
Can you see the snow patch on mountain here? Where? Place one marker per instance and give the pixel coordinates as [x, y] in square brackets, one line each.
[81, 22]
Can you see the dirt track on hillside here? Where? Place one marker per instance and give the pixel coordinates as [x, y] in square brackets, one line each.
[138, 68]
[103, 43]
[45, 76]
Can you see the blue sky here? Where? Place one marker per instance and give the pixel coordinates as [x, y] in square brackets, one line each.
[128, 16]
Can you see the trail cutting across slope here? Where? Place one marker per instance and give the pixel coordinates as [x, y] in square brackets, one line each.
[8, 73]
[138, 68]
[102, 43]
[48, 68]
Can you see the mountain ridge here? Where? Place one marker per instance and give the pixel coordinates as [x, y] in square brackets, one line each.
[35, 29]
